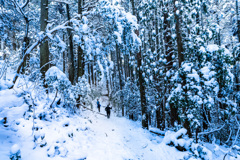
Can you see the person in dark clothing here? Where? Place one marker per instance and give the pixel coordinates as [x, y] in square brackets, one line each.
[108, 110]
[98, 105]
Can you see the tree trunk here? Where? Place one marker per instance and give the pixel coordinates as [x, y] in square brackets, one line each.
[142, 89]
[25, 45]
[70, 54]
[141, 80]
[158, 118]
[179, 36]
[157, 33]
[64, 58]
[235, 65]
[119, 66]
[168, 53]
[92, 73]
[133, 8]
[114, 70]
[238, 21]
[44, 50]
[142, 92]
[89, 73]
[14, 41]
[81, 64]
[218, 22]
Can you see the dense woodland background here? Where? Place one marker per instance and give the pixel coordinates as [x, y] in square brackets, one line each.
[168, 63]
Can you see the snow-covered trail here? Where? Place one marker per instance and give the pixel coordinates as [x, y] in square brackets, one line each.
[119, 139]
[89, 136]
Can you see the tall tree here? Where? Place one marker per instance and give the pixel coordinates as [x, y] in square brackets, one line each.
[44, 50]
[71, 67]
[81, 63]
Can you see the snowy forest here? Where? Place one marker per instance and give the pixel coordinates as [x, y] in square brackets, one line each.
[169, 69]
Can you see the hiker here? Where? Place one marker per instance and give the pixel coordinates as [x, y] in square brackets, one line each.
[108, 110]
[98, 105]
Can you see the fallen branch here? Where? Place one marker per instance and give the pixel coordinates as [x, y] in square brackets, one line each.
[159, 134]
[157, 131]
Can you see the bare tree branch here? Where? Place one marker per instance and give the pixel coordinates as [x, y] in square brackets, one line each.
[25, 4]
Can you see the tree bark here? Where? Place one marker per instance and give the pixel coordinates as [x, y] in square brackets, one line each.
[119, 66]
[25, 45]
[89, 73]
[71, 68]
[179, 36]
[44, 50]
[64, 58]
[235, 65]
[133, 7]
[142, 92]
[168, 53]
[92, 72]
[81, 64]
[238, 21]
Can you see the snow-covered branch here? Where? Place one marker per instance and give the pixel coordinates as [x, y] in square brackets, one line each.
[202, 133]
[43, 36]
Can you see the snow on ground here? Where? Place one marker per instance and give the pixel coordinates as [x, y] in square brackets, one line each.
[88, 135]
[60, 135]
[118, 138]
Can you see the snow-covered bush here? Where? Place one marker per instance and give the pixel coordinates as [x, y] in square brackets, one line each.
[81, 91]
[57, 149]
[178, 139]
[130, 99]
[15, 153]
[5, 84]
[199, 152]
[181, 142]
[58, 81]
[39, 138]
